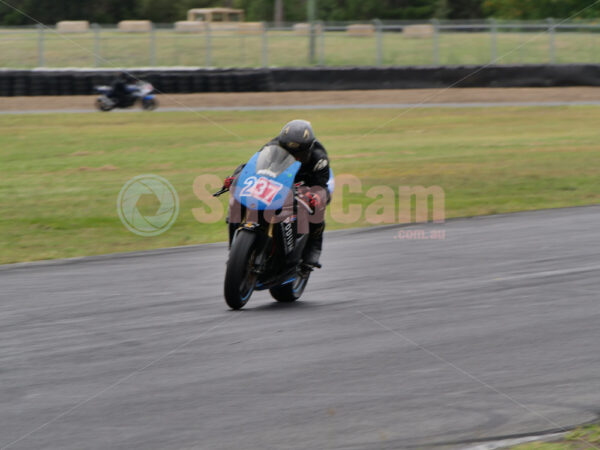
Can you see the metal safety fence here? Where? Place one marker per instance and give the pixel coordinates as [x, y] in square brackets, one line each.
[375, 43]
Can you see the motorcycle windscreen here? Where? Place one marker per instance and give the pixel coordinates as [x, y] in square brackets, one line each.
[267, 179]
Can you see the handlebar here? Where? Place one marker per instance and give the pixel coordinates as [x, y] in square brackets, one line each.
[221, 192]
[300, 199]
[303, 203]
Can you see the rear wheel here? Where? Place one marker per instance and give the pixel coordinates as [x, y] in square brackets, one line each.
[291, 292]
[102, 105]
[239, 276]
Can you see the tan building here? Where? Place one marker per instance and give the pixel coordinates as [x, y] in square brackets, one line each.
[215, 15]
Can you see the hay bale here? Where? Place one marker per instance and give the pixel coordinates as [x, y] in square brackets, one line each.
[73, 26]
[135, 26]
[251, 28]
[223, 26]
[237, 27]
[303, 29]
[358, 29]
[418, 31]
[189, 26]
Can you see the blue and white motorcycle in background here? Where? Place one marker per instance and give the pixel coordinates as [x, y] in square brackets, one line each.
[268, 229]
[142, 92]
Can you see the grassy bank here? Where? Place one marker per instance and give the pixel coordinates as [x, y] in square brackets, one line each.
[60, 175]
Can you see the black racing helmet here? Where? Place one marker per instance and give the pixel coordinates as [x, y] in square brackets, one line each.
[126, 77]
[298, 138]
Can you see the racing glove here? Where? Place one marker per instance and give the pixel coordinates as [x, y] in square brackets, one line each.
[227, 182]
[313, 200]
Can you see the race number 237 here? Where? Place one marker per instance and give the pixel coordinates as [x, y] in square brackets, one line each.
[261, 189]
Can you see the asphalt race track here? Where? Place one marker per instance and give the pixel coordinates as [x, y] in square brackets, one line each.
[303, 100]
[490, 333]
[315, 107]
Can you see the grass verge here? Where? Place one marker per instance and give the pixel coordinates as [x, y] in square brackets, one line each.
[60, 175]
[19, 48]
[585, 437]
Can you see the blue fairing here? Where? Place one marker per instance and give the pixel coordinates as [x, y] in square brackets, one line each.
[331, 182]
[249, 183]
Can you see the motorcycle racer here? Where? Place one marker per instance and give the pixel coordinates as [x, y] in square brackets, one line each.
[120, 91]
[298, 138]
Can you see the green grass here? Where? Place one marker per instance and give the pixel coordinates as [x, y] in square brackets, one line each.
[19, 49]
[60, 174]
[586, 437]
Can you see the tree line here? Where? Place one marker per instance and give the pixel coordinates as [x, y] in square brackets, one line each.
[165, 11]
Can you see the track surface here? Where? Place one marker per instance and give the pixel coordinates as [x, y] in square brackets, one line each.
[489, 333]
[399, 98]
[316, 107]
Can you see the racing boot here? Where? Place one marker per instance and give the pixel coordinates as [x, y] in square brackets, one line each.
[314, 245]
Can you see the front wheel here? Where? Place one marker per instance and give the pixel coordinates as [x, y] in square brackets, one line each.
[291, 292]
[239, 276]
[148, 104]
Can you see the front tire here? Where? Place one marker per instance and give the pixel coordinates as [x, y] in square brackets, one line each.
[239, 277]
[149, 104]
[291, 292]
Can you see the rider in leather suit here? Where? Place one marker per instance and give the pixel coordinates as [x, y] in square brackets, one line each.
[298, 138]
[119, 92]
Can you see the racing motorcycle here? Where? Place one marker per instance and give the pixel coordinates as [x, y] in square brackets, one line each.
[268, 229]
[141, 91]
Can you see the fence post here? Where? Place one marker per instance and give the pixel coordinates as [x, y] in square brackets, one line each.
[321, 26]
[41, 58]
[311, 36]
[552, 37]
[242, 37]
[436, 41]
[378, 41]
[265, 47]
[494, 41]
[97, 49]
[177, 46]
[208, 50]
[152, 46]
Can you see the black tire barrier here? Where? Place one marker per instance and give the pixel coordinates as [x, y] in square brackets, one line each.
[436, 77]
[21, 84]
[175, 81]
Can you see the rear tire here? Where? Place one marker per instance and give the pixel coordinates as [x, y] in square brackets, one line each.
[239, 279]
[292, 291]
[102, 105]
